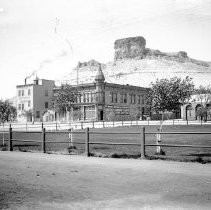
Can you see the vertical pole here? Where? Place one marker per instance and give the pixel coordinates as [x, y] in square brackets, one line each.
[187, 121]
[81, 125]
[143, 143]
[113, 123]
[103, 124]
[93, 124]
[42, 126]
[56, 126]
[148, 122]
[87, 143]
[71, 137]
[131, 122]
[43, 140]
[26, 126]
[10, 147]
[173, 121]
[122, 122]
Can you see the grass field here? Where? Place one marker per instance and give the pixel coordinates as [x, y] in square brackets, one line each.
[183, 154]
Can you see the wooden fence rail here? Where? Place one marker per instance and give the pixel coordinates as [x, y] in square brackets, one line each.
[93, 124]
[42, 142]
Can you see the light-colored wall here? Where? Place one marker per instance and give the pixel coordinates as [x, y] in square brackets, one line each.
[24, 100]
[37, 98]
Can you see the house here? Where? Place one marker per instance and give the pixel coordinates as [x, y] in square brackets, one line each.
[33, 100]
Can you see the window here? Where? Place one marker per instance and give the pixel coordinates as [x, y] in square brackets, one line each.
[22, 106]
[29, 92]
[22, 92]
[114, 97]
[92, 97]
[29, 103]
[19, 106]
[37, 114]
[139, 100]
[84, 97]
[46, 92]
[125, 98]
[46, 105]
[132, 98]
[143, 101]
[121, 98]
[19, 92]
[87, 97]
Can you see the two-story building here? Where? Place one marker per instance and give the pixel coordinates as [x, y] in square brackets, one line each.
[106, 101]
[33, 100]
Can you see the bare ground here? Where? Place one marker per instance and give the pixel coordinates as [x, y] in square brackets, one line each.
[43, 181]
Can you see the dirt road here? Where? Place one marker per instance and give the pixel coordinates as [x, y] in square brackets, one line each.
[43, 181]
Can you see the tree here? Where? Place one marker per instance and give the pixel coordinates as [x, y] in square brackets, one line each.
[64, 98]
[203, 96]
[169, 94]
[8, 112]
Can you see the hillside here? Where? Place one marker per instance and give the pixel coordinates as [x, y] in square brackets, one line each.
[134, 64]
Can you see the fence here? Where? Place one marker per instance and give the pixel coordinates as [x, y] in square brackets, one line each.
[93, 124]
[89, 141]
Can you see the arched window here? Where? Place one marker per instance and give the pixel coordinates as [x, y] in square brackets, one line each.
[189, 109]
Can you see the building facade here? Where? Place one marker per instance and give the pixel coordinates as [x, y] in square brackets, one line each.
[102, 101]
[33, 100]
[198, 108]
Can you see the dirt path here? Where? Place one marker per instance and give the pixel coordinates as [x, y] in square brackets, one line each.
[42, 181]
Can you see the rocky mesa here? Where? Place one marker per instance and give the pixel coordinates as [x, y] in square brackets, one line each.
[135, 64]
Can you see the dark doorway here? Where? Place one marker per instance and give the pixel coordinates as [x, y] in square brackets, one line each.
[101, 115]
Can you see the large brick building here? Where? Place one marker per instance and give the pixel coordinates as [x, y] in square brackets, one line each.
[105, 101]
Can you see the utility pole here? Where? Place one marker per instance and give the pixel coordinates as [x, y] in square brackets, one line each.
[77, 75]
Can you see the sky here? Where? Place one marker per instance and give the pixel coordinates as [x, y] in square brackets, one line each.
[50, 37]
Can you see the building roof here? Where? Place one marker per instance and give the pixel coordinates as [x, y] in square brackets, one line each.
[99, 76]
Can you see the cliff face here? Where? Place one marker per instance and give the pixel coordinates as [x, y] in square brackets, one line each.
[133, 47]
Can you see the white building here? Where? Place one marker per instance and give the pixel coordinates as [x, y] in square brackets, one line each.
[33, 100]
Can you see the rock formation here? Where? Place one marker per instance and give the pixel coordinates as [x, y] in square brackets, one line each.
[133, 47]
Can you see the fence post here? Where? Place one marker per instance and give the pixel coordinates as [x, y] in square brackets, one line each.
[70, 137]
[10, 147]
[87, 142]
[143, 143]
[42, 126]
[43, 140]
